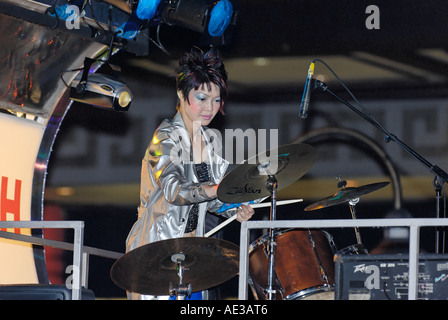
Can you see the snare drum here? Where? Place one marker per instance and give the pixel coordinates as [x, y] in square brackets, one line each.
[304, 266]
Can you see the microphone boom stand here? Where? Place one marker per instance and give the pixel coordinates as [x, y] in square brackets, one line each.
[440, 174]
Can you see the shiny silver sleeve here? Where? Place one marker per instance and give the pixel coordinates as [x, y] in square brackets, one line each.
[172, 175]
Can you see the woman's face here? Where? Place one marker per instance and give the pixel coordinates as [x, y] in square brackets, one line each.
[203, 106]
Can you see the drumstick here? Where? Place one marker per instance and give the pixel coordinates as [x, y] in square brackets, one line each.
[255, 206]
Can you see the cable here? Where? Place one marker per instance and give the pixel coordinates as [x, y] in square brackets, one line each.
[389, 136]
[94, 17]
[354, 98]
[158, 44]
[66, 71]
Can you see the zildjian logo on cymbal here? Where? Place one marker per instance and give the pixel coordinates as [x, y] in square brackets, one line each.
[243, 190]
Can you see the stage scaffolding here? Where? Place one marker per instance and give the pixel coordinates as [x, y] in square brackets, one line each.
[80, 252]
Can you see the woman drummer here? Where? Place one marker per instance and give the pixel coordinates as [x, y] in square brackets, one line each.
[180, 170]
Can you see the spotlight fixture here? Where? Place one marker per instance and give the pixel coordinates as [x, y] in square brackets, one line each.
[201, 15]
[101, 91]
[208, 17]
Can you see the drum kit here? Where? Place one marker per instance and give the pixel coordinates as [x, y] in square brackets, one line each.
[283, 264]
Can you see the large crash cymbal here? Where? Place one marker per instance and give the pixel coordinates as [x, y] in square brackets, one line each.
[345, 195]
[149, 269]
[247, 181]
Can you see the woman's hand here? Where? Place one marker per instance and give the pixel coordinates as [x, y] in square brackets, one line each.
[244, 213]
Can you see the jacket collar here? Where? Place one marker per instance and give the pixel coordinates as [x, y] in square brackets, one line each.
[217, 163]
[178, 120]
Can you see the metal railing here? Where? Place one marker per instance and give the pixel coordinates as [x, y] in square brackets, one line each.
[413, 224]
[80, 252]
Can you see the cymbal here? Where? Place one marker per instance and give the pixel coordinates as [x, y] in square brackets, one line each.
[247, 181]
[149, 269]
[345, 195]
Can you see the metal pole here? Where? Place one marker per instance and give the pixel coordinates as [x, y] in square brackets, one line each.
[244, 262]
[77, 262]
[414, 244]
[271, 292]
[352, 204]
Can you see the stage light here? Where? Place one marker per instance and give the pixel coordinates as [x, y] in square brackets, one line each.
[147, 9]
[201, 16]
[101, 91]
[220, 18]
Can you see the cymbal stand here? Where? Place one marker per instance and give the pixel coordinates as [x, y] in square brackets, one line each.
[352, 204]
[271, 186]
[182, 289]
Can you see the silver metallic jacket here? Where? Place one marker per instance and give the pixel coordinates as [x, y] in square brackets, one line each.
[169, 186]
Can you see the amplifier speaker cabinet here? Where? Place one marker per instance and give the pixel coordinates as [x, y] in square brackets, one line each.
[41, 292]
[385, 277]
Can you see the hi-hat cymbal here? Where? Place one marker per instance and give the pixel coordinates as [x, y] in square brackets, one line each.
[247, 181]
[149, 269]
[345, 195]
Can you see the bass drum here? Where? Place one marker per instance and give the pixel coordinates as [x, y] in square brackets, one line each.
[304, 267]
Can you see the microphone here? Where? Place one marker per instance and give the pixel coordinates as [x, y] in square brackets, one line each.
[303, 113]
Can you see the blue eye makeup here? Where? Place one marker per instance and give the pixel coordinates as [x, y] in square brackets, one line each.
[200, 96]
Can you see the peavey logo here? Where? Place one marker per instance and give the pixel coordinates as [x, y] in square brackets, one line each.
[241, 191]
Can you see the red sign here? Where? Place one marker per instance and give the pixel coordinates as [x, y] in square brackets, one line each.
[11, 206]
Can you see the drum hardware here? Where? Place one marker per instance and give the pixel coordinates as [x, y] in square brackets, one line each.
[182, 289]
[352, 203]
[323, 273]
[262, 176]
[153, 268]
[304, 267]
[350, 195]
[255, 206]
[271, 185]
